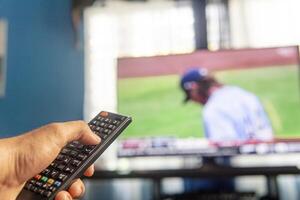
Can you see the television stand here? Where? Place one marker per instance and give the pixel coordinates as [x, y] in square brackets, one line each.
[209, 169]
[215, 161]
[221, 163]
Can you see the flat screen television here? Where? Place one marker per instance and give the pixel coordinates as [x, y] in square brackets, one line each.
[149, 91]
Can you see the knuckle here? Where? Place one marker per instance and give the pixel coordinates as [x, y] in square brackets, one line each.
[55, 127]
[83, 124]
[55, 132]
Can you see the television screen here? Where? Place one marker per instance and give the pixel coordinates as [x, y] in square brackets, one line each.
[156, 102]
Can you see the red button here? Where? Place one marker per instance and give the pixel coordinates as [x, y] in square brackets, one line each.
[103, 114]
[37, 177]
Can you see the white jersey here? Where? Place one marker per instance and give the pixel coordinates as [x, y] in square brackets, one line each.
[233, 114]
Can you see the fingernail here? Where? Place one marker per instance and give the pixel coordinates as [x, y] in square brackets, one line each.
[97, 138]
[82, 190]
[67, 197]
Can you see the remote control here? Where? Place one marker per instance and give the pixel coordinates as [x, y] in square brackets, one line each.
[74, 159]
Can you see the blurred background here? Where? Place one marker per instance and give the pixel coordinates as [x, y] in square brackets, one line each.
[67, 60]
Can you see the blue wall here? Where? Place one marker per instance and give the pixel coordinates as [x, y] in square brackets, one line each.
[44, 71]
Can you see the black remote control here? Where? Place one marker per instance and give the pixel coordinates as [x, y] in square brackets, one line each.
[74, 159]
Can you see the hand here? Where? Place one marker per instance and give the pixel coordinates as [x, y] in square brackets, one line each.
[24, 156]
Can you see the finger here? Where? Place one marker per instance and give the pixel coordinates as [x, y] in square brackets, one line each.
[77, 189]
[74, 130]
[90, 171]
[63, 195]
[79, 130]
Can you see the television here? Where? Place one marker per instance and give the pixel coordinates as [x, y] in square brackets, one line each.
[149, 91]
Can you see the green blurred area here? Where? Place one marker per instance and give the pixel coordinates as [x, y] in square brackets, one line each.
[156, 103]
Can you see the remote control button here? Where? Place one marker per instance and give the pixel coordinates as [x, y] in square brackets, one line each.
[44, 179]
[103, 114]
[73, 153]
[111, 127]
[116, 122]
[66, 160]
[34, 189]
[50, 181]
[80, 146]
[46, 172]
[72, 145]
[46, 186]
[101, 119]
[28, 186]
[69, 169]
[75, 162]
[47, 193]
[76, 142]
[39, 184]
[54, 165]
[89, 148]
[52, 189]
[40, 191]
[81, 156]
[32, 181]
[60, 167]
[60, 157]
[57, 183]
[65, 151]
[62, 177]
[37, 177]
[54, 173]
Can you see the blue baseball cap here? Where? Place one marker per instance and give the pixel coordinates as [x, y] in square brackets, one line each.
[189, 77]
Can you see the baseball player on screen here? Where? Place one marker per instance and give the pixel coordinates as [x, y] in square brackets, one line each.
[229, 112]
